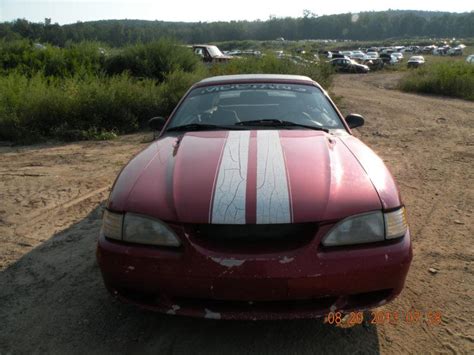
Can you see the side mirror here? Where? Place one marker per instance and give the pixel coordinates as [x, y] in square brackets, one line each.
[156, 123]
[354, 120]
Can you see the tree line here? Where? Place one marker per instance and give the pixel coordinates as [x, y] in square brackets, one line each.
[362, 26]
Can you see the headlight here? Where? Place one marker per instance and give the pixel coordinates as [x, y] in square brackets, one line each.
[363, 228]
[135, 228]
[146, 230]
[367, 228]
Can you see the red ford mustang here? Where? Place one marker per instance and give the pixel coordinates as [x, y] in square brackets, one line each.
[255, 202]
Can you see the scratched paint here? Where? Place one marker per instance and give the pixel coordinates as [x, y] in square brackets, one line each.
[286, 260]
[211, 315]
[228, 262]
[173, 309]
[273, 204]
[229, 196]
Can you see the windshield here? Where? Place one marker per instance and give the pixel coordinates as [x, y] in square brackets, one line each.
[231, 104]
[214, 51]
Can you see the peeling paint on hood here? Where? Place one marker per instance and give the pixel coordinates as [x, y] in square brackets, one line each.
[228, 262]
[211, 315]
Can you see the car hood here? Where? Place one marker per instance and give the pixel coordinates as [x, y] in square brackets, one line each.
[260, 176]
[222, 56]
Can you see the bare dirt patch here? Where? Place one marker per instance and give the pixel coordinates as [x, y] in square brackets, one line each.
[51, 295]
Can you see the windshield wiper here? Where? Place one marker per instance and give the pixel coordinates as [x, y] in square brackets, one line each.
[199, 127]
[279, 123]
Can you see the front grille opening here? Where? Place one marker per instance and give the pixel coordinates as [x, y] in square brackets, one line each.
[309, 305]
[368, 298]
[138, 297]
[254, 237]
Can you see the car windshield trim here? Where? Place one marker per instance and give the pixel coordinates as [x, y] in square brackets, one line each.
[225, 105]
[214, 51]
[279, 123]
[200, 127]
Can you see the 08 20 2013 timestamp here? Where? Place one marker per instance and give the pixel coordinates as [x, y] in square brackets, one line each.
[379, 317]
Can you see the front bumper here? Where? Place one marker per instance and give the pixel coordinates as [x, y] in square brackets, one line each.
[306, 282]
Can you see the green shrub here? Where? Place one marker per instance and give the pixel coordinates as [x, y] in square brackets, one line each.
[174, 87]
[153, 60]
[270, 64]
[73, 108]
[442, 78]
[83, 92]
[22, 56]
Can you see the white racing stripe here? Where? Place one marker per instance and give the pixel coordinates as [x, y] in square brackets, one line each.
[231, 186]
[273, 202]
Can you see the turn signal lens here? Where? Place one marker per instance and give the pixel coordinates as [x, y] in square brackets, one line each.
[112, 225]
[395, 224]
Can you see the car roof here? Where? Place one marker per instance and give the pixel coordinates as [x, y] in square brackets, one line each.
[203, 45]
[256, 77]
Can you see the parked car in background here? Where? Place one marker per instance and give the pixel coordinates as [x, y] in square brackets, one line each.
[372, 55]
[428, 49]
[233, 52]
[338, 55]
[255, 202]
[414, 49]
[210, 53]
[470, 59]
[346, 65]
[296, 59]
[441, 50]
[358, 52]
[415, 61]
[251, 53]
[327, 54]
[394, 59]
[358, 56]
[373, 64]
[455, 51]
[398, 55]
[388, 51]
[388, 58]
[39, 46]
[346, 53]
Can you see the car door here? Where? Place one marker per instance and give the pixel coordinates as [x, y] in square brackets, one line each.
[347, 65]
[336, 63]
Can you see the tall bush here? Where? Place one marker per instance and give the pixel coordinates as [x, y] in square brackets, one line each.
[83, 91]
[153, 60]
[37, 108]
[270, 64]
[442, 78]
[30, 59]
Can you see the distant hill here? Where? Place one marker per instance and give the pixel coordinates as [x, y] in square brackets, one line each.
[363, 26]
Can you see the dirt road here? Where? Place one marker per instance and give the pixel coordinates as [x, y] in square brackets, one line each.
[51, 295]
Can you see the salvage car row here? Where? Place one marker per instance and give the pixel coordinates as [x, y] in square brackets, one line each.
[354, 61]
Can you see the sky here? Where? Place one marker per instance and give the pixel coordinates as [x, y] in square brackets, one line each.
[70, 11]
